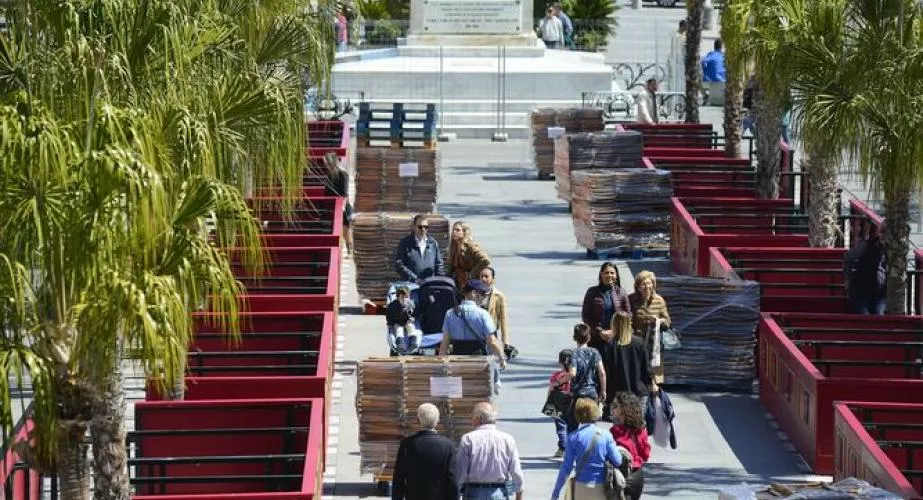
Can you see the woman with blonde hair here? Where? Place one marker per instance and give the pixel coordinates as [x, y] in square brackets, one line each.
[648, 307]
[466, 259]
[627, 362]
[587, 450]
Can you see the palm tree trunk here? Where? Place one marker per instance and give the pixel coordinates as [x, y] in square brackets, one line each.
[733, 102]
[896, 244]
[107, 430]
[820, 168]
[768, 115]
[72, 464]
[695, 10]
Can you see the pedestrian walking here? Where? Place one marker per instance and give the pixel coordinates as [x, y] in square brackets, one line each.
[425, 465]
[865, 274]
[551, 30]
[646, 103]
[586, 371]
[487, 463]
[713, 70]
[676, 65]
[466, 258]
[601, 302]
[495, 303]
[648, 307]
[589, 448]
[341, 27]
[630, 433]
[418, 256]
[566, 24]
[558, 393]
[627, 362]
[337, 184]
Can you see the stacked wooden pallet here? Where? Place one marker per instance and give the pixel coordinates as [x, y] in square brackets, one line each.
[391, 389]
[585, 150]
[397, 125]
[376, 237]
[572, 120]
[396, 180]
[715, 319]
[621, 210]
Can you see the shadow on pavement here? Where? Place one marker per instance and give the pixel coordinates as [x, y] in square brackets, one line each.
[553, 255]
[522, 208]
[662, 480]
[742, 422]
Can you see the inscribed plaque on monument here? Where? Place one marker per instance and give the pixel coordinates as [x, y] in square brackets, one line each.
[461, 17]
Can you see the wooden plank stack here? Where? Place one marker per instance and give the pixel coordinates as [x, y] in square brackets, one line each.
[382, 184]
[375, 240]
[391, 389]
[621, 209]
[586, 150]
[715, 320]
[573, 120]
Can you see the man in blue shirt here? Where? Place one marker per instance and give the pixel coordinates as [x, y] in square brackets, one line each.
[468, 328]
[713, 64]
[568, 25]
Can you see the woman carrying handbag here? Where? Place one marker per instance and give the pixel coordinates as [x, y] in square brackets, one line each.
[593, 451]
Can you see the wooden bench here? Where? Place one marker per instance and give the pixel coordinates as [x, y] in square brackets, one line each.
[881, 443]
[319, 220]
[702, 176]
[808, 361]
[682, 135]
[295, 279]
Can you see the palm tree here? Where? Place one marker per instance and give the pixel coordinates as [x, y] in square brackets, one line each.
[734, 19]
[822, 69]
[695, 12]
[766, 45]
[105, 184]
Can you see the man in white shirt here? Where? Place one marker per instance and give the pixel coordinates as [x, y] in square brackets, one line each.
[551, 29]
[647, 110]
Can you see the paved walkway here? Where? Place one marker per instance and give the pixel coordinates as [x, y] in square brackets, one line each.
[724, 439]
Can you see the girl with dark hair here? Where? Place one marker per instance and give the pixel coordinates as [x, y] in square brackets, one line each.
[631, 434]
[601, 302]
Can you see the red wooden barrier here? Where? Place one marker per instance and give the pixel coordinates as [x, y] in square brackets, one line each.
[228, 414]
[800, 396]
[327, 137]
[23, 483]
[690, 244]
[857, 454]
[668, 152]
[683, 135]
[792, 279]
[318, 219]
[710, 177]
[268, 301]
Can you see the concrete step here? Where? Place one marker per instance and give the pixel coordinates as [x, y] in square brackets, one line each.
[486, 131]
[487, 105]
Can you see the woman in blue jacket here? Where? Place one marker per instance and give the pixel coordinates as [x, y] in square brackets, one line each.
[589, 447]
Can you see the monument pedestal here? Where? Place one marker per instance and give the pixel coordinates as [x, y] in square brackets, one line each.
[452, 59]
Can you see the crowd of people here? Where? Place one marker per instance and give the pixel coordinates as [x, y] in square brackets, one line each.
[611, 374]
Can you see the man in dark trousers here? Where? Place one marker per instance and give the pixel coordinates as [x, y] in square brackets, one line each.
[418, 256]
[865, 276]
[425, 467]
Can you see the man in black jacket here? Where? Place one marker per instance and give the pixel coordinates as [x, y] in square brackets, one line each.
[418, 256]
[425, 466]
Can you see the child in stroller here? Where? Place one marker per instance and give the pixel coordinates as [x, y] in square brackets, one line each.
[401, 324]
[430, 301]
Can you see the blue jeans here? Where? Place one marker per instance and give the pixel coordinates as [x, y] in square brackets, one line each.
[560, 428]
[482, 493]
[867, 306]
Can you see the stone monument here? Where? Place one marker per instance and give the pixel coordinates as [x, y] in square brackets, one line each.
[479, 61]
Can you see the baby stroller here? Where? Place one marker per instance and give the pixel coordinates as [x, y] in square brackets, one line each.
[432, 300]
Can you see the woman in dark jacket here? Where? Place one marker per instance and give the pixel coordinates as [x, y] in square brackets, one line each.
[627, 362]
[600, 303]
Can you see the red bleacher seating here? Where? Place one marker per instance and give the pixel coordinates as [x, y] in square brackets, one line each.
[881, 443]
[808, 361]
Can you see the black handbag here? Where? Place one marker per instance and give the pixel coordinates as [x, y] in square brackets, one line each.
[557, 403]
[510, 351]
